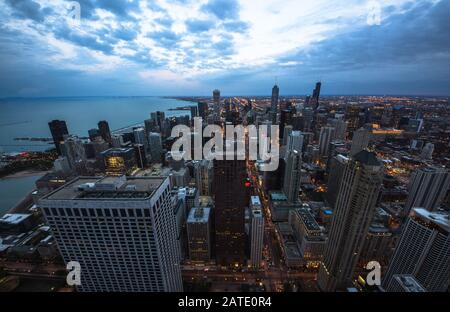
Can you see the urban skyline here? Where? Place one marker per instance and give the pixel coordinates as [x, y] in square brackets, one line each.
[225, 146]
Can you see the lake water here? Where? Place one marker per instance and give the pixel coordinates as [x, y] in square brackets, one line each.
[13, 190]
[30, 117]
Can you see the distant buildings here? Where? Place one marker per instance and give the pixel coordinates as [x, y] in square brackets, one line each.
[427, 188]
[355, 205]
[423, 251]
[58, 129]
[199, 234]
[127, 229]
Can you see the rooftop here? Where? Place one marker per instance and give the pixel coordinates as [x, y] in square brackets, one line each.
[440, 219]
[367, 158]
[409, 283]
[107, 188]
[308, 219]
[255, 201]
[14, 218]
[199, 215]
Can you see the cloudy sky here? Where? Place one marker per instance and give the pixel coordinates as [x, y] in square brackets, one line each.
[189, 47]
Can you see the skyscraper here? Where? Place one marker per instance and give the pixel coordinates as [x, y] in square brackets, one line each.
[427, 188]
[274, 103]
[158, 119]
[199, 234]
[73, 149]
[256, 232]
[274, 99]
[291, 184]
[140, 137]
[203, 176]
[230, 197]
[122, 232]
[340, 126]
[294, 142]
[194, 111]
[358, 192]
[103, 128]
[216, 102]
[325, 137]
[337, 167]
[202, 108]
[360, 141]
[58, 129]
[314, 100]
[155, 143]
[423, 251]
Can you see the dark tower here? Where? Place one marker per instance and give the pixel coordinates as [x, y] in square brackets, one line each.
[231, 199]
[202, 108]
[103, 127]
[58, 129]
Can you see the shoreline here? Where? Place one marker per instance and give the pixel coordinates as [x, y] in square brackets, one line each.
[25, 174]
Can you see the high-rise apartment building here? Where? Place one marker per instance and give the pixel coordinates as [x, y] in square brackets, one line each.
[325, 137]
[337, 167]
[294, 142]
[427, 188]
[291, 184]
[360, 140]
[355, 206]
[423, 251]
[121, 231]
